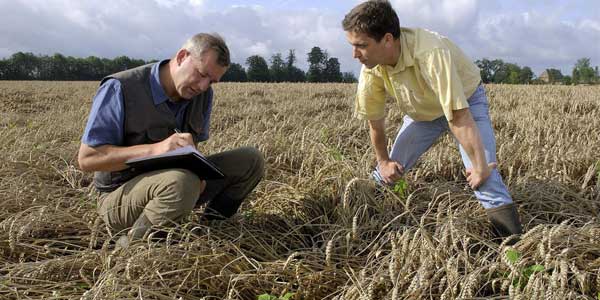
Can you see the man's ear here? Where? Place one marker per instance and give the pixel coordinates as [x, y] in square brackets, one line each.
[389, 39]
[181, 55]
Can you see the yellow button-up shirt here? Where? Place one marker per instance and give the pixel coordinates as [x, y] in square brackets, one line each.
[432, 78]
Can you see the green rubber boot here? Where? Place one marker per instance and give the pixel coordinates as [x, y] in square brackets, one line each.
[505, 220]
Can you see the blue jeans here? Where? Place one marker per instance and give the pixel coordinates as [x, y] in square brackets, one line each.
[416, 137]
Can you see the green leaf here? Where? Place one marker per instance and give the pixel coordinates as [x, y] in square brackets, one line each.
[83, 285]
[324, 134]
[287, 296]
[337, 155]
[537, 268]
[513, 255]
[400, 187]
[266, 297]
[532, 269]
[526, 273]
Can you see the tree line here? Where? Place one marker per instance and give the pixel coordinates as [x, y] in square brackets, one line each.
[27, 66]
[498, 71]
[321, 68]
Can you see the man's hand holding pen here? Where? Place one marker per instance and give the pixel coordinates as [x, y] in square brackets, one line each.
[176, 140]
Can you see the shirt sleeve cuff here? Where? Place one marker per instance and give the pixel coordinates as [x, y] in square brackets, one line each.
[457, 105]
[362, 116]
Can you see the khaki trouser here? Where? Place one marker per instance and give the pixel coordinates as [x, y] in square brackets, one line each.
[165, 196]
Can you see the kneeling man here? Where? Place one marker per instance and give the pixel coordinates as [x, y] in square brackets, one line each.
[153, 109]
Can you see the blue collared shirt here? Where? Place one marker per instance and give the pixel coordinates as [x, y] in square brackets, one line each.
[107, 117]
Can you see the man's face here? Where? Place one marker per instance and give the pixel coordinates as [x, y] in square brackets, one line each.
[195, 74]
[364, 48]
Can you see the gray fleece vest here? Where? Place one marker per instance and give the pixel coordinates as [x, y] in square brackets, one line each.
[147, 123]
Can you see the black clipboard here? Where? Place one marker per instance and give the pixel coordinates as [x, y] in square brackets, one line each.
[182, 158]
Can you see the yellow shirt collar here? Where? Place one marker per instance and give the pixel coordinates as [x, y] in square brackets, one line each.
[406, 58]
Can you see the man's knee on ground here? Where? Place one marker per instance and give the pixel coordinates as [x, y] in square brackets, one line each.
[256, 161]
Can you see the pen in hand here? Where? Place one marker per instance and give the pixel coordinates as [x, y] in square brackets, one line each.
[189, 141]
[178, 132]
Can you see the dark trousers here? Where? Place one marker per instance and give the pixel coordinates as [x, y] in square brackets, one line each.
[243, 169]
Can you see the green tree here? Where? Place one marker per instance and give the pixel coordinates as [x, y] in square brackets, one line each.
[332, 73]
[278, 68]
[76, 68]
[526, 75]
[583, 72]
[58, 67]
[513, 72]
[22, 66]
[290, 60]
[294, 74]
[485, 70]
[96, 67]
[27, 66]
[567, 80]
[317, 59]
[498, 71]
[554, 75]
[45, 67]
[258, 70]
[502, 74]
[122, 63]
[349, 77]
[235, 73]
[3, 66]
[489, 68]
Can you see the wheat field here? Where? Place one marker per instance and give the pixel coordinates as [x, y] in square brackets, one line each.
[311, 229]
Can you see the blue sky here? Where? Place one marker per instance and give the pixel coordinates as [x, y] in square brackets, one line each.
[536, 33]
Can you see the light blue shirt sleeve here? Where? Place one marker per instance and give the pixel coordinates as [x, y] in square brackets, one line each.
[105, 122]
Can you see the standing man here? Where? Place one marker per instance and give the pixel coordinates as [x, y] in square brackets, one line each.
[153, 109]
[439, 89]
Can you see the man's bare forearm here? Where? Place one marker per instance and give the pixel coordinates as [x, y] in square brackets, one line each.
[113, 158]
[109, 157]
[378, 139]
[466, 132]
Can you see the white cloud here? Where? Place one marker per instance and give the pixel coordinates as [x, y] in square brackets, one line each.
[257, 30]
[540, 34]
[138, 28]
[530, 33]
[5, 52]
[168, 3]
[178, 3]
[590, 25]
[537, 40]
[260, 48]
[449, 15]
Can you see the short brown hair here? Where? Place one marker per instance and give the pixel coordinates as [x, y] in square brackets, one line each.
[201, 42]
[374, 18]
